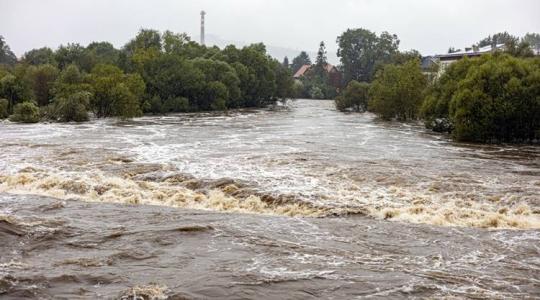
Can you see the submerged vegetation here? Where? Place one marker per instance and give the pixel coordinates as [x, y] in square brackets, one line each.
[492, 98]
[153, 73]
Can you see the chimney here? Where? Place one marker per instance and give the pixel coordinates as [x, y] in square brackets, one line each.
[203, 13]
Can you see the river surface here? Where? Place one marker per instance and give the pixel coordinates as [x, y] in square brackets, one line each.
[296, 202]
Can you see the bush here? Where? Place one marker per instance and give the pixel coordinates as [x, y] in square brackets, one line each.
[316, 92]
[26, 112]
[178, 104]
[498, 101]
[494, 98]
[435, 108]
[397, 91]
[355, 97]
[153, 106]
[4, 106]
[72, 108]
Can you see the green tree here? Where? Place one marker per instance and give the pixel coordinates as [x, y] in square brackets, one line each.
[493, 98]
[14, 90]
[533, 39]
[299, 61]
[42, 79]
[4, 104]
[176, 105]
[397, 91]
[145, 39]
[355, 97]
[321, 61]
[175, 43]
[114, 93]
[362, 52]
[70, 81]
[316, 92]
[260, 86]
[519, 49]
[125, 104]
[7, 57]
[498, 38]
[102, 53]
[286, 63]
[73, 108]
[284, 82]
[435, 108]
[25, 112]
[217, 95]
[76, 54]
[498, 101]
[400, 58]
[170, 76]
[40, 56]
[219, 71]
[154, 105]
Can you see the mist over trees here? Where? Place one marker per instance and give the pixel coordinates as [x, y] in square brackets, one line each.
[153, 73]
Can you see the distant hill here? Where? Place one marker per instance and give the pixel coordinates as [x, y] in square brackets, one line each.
[277, 52]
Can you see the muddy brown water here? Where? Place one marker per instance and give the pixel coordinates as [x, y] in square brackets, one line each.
[291, 203]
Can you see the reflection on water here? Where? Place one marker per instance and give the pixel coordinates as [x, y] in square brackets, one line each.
[367, 182]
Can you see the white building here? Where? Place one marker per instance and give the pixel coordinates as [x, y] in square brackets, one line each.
[444, 60]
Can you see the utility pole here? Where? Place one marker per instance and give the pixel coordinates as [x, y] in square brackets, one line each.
[203, 13]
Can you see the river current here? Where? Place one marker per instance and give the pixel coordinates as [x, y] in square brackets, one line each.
[293, 202]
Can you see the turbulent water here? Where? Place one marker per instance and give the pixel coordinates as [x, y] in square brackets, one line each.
[314, 204]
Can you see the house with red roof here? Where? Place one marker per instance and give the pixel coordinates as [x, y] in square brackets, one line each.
[335, 77]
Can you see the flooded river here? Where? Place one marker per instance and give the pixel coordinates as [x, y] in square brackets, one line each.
[297, 202]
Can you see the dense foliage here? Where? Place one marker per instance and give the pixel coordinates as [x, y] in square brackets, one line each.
[25, 112]
[299, 61]
[362, 53]
[355, 97]
[495, 98]
[316, 82]
[397, 91]
[7, 57]
[72, 108]
[4, 108]
[152, 73]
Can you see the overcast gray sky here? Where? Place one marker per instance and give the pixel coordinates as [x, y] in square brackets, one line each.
[430, 26]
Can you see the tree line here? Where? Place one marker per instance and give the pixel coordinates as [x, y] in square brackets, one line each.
[493, 98]
[153, 73]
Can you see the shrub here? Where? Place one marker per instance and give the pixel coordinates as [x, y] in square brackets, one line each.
[494, 98]
[178, 104]
[26, 112]
[153, 105]
[355, 97]
[316, 93]
[72, 108]
[4, 106]
[397, 91]
[498, 101]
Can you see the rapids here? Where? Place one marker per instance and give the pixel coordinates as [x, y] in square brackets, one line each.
[313, 201]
